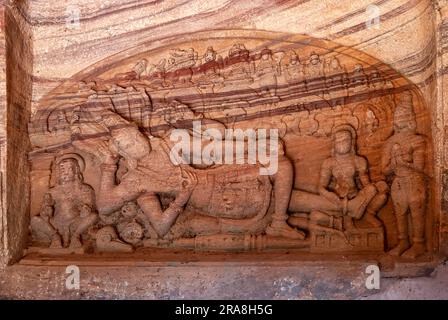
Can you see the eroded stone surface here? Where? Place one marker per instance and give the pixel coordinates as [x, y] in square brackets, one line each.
[287, 281]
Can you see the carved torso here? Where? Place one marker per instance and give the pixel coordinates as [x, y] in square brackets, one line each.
[343, 173]
[69, 198]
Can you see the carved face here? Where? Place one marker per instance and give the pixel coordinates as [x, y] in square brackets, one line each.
[68, 170]
[129, 210]
[210, 55]
[404, 118]
[131, 144]
[228, 198]
[342, 142]
[314, 59]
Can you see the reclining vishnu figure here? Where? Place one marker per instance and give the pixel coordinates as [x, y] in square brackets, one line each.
[150, 173]
[345, 190]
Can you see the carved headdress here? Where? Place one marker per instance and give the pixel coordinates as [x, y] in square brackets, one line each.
[345, 128]
[127, 140]
[404, 115]
[73, 157]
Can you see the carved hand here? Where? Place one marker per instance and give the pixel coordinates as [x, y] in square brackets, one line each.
[189, 182]
[47, 207]
[334, 198]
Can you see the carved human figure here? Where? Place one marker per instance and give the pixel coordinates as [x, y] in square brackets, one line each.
[404, 158]
[151, 172]
[131, 224]
[336, 79]
[314, 68]
[294, 70]
[181, 58]
[209, 71]
[266, 73]
[345, 189]
[61, 123]
[68, 208]
[376, 80]
[314, 73]
[336, 75]
[210, 55]
[237, 64]
[140, 68]
[359, 81]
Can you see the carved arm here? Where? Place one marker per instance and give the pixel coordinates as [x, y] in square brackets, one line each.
[325, 177]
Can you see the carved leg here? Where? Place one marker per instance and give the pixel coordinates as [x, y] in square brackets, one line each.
[40, 225]
[283, 182]
[348, 223]
[302, 201]
[417, 208]
[299, 222]
[400, 202]
[325, 220]
[80, 227]
[375, 205]
[65, 232]
[358, 205]
[317, 218]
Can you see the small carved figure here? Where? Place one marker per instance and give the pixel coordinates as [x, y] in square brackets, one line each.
[68, 208]
[346, 192]
[294, 72]
[404, 158]
[314, 73]
[314, 68]
[181, 58]
[107, 241]
[140, 68]
[210, 55]
[266, 74]
[336, 75]
[59, 124]
[336, 80]
[136, 73]
[129, 228]
[359, 82]
[209, 71]
[237, 64]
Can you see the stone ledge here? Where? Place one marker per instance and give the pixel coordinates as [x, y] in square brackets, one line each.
[344, 280]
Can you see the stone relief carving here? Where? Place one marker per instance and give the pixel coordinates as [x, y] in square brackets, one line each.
[367, 167]
[68, 209]
[404, 158]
